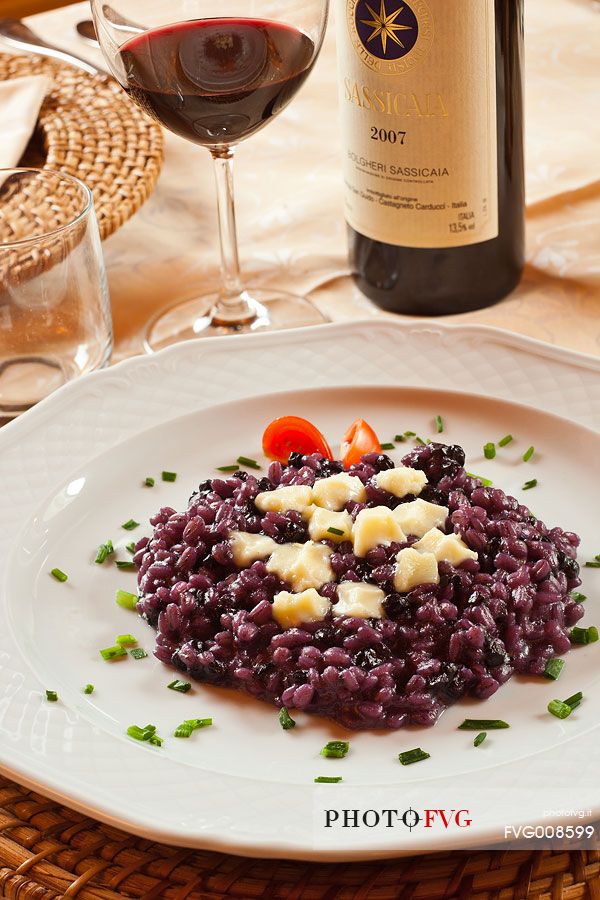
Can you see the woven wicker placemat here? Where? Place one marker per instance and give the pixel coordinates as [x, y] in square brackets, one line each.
[48, 851]
[89, 128]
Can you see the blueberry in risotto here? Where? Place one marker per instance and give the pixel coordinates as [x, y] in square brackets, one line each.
[375, 595]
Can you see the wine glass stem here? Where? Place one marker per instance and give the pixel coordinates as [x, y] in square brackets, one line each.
[234, 306]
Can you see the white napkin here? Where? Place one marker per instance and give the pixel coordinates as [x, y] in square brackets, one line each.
[20, 102]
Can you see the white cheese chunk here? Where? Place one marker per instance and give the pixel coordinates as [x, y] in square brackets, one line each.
[401, 481]
[302, 565]
[247, 548]
[445, 547]
[419, 516]
[282, 499]
[373, 527]
[291, 610]
[324, 519]
[335, 491]
[356, 598]
[413, 568]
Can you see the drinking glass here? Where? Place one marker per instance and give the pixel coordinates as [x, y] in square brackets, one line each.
[216, 74]
[55, 320]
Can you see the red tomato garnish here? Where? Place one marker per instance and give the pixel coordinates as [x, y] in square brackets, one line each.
[289, 434]
[358, 440]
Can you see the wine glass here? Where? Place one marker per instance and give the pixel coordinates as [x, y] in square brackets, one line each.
[216, 73]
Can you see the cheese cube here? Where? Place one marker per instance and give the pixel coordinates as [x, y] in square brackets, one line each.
[323, 519]
[419, 516]
[302, 565]
[291, 610]
[401, 481]
[282, 499]
[373, 527]
[247, 548]
[445, 547]
[413, 568]
[356, 598]
[335, 491]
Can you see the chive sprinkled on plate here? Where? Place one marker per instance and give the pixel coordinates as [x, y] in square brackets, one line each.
[138, 653]
[439, 424]
[553, 668]
[408, 757]
[149, 481]
[130, 524]
[335, 749]
[126, 599]
[574, 700]
[182, 687]
[486, 482]
[400, 438]
[110, 653]
[507, 439]
[388, 446]
[528, 454]
[125, 640]
[559, 709]
[408, 434]
[125, 564]
[248, 462]
[227, 468]
[489, 450]
[285, 720]
[51, 696]
[328, 779]
[104, 551]
[338, 531]
[88, 689]
[188, 726]
[168, 476]
[130, 547]
[578, 597]
[592, 564]
[530, 484]
[583, 635]
[482, 724]
[147, 734]
[479, 738]
[59, 575]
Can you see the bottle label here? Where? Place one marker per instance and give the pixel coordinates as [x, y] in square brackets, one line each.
[418, 109]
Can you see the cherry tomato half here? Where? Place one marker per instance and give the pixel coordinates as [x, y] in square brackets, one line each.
[289, 434]
[358, 440]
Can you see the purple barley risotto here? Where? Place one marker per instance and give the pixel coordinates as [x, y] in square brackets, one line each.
[401, 653]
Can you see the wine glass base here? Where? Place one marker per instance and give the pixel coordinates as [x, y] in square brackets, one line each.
[193, 318]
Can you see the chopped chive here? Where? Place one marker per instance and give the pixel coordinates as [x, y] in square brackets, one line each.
[528, 454]
[59, 575]
[335, 749]
[125, 564]
[248, 461]
[125, 640]
[328, 779]
[482, 724]
[574, 700]
[149, 481]
[439, 424]
[410, 434]
[156, 741]
[126, 599]
[52, 696]
[338, 531]
[388, 446]
[182, 687]
[530, 484]
[285, 720]
[104, 551]
[419, 440]
[593, 565]
[188, 726]
[400, 438]
[227, 468]
[505, 440]
[130, 547]
[88, 689]
[584, 635]
[486, 482]
[147, 733]
[138, 653]
[168, 476]
[408, 757]
[479, 738]
[578, 597]
[559, 709]
[597, 557]
[113, 653]
[130, 524]
[553, 668]
[489, 450]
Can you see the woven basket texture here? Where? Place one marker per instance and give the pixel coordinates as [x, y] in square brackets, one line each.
[48, 851]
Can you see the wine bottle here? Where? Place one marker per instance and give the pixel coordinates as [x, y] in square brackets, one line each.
[432, 133]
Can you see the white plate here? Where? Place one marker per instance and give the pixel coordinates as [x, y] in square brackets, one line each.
[246, 786]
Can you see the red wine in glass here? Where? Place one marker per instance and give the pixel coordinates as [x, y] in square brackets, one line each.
[216, 81]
